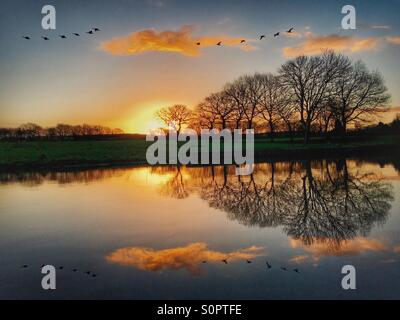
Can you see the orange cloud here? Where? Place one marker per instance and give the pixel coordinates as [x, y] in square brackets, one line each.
[299, 259]
[314, 44]
[393, 40]
[189, 257]
[181, 41]
[321, 248]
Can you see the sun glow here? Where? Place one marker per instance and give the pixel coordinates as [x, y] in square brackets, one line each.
[143, 119]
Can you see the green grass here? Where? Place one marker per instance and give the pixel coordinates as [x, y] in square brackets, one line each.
[80, 153]
[72, 152]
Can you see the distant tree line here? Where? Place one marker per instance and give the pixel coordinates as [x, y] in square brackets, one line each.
[320, 94]
[31, 131]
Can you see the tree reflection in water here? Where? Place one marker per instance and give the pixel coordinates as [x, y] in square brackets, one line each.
[325, 201]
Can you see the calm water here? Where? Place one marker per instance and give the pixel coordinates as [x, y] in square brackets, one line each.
[162, 233]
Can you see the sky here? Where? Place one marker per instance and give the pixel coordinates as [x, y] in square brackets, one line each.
[145, 57]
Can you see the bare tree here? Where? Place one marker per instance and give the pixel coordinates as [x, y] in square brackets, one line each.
[29, 131]
[177, 115]
[359, 95]
[274, 101]
[254, 92]
[222, 107]
[203, 117]
[287, 114]
[237, 93]
[310, 80]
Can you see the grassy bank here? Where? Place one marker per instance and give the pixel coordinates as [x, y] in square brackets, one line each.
[46, 154]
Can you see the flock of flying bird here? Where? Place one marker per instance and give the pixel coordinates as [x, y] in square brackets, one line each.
[89, 273]
[93, 30]
[63, 36]
[261, 37]
[268, 265]
[94, 275]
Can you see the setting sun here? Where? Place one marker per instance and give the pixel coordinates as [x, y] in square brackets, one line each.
[143, 119]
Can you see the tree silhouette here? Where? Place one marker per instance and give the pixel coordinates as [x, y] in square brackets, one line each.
[312, 200]
[175, 116]
[358, 95]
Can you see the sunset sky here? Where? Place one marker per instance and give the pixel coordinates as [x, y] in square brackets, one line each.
[145, 56]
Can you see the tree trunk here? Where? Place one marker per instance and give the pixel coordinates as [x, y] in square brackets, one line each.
[271, 130]
[238, 124]
[290, 132]
[250, 124]
[306, 135]
[344, 130]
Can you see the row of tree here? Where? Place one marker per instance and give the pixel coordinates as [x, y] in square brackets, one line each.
[324, 93]
[61, 131]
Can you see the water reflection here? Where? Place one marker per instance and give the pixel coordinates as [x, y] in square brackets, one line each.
[63, 177]
[164, 222]
[325, 202]
[319, 249]
[189, 257]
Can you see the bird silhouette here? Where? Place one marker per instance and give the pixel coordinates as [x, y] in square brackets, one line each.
[296, 270]
[45, 38]
[42, 266]
[26, 37]
[25, 266]
[276, 34]
[76, 34]
[262, 37]
[243, 41]
[90, 32]
[283, 268]
[87, 272]
[96, 29]
[94, 275]
[198, 43]
[225, 261]
[219, 43]
[74, 270]
[268, 265]
[63, 36]
[204, 261]
[61, 267]
[248, 261]
[290, 30]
